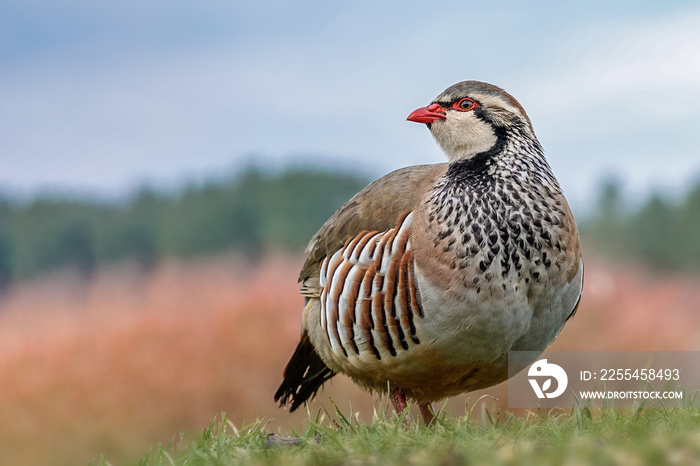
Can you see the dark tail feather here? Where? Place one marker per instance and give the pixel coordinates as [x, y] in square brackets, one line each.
[303, 376]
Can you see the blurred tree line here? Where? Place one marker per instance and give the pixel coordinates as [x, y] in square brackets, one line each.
[663, 234]
[253, 213]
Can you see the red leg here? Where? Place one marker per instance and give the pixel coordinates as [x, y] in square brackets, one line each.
[426, 410]
[398, 400]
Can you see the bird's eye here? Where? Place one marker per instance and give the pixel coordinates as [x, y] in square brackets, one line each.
[464, 105]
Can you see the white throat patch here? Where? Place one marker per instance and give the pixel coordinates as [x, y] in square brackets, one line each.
[462, 135]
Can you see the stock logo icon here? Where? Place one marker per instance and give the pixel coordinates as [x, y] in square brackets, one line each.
[545, 371]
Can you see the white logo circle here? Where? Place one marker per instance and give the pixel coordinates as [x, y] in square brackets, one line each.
[542, 368]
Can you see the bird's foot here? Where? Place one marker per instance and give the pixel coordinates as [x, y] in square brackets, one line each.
[399, 402]
[426, 410]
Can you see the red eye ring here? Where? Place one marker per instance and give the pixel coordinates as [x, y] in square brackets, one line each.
[465, 104]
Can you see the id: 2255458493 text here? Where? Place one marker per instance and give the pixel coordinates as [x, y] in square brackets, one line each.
[631, 374]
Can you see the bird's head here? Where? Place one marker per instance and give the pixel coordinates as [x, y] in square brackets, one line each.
[469, 118]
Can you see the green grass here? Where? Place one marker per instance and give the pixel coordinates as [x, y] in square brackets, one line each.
[581, 436]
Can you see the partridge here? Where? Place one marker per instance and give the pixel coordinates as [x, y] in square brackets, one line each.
[426, 279]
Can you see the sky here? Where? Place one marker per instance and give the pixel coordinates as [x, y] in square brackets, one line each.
[102, 97]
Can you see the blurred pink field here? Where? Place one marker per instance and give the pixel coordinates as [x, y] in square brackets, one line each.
[130, 359]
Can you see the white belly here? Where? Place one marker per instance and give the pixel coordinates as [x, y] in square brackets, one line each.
[484, 325]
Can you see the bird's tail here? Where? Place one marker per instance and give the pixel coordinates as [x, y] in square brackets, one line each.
[303, 376]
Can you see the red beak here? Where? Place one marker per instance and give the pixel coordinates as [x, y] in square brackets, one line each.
[427, 114]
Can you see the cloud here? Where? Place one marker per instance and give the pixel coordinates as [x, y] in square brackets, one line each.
[649, 67]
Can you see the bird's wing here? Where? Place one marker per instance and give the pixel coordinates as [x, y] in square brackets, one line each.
[377, 210]
[378, 207]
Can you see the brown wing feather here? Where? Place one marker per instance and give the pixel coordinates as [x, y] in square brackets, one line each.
[377, 207]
